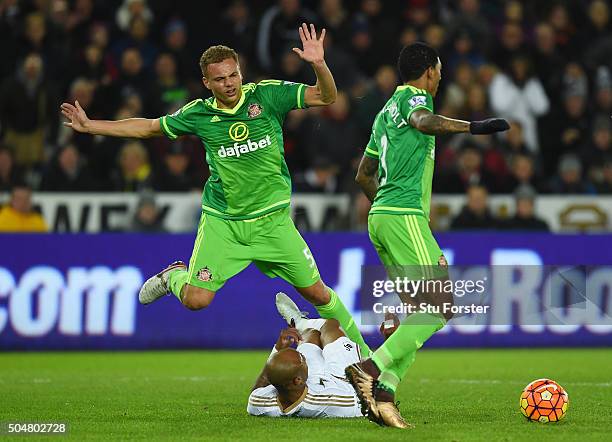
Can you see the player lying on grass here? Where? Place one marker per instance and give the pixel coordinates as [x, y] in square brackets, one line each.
[307, 381]
[245, 203]
[396, 175]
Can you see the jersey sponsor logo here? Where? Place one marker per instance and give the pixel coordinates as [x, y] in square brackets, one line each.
[204, 274]
[254, 110]
[238, 149]
[215, 119]
[239, 131]
[417, 100]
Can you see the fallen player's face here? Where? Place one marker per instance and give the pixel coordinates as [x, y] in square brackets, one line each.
[224, 80]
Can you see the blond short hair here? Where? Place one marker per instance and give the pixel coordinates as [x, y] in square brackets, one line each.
[216, 54]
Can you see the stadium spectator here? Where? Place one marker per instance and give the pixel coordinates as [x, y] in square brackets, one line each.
[455, 99]
[278, 31]
[238, 25]
[519, 96]
[522, 173]
[348, 76]
[37, 39]
[569, 178]
[325, 142]
[547, 61]
[147, 217]
[435, 36]
[603, 92]
[134, 80]
[475, 215]
[567, 128]
[335, 18]
[170, 93]
[463, 51]
[292, 69]
[372, 36]
[468, 17]
[468, 171]
[28, 111]
[131, 9]
[175, 43]
[137, 37]
[375, 97]
[18, 215]
[134, 172]
[67, 173]
[598, 148]
[476, 104]
[510, 45]
[598, 28]
[565, 30]
[604, 186]
[10, 174]
[175, 174]
[321, 177]
[513, 141]
[524, 216]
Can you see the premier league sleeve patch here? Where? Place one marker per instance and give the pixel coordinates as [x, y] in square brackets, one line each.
[417, 100]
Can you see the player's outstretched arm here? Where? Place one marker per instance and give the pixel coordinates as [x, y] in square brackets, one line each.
[432, 124]
[129, 128]
[324, 92]
[366, 176]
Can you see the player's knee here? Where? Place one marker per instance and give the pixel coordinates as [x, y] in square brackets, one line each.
[330, 325]
[196, 298]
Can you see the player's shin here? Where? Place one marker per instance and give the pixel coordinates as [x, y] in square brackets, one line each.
[390, 378]
[407, 339]
[176, 282]
[335, 309]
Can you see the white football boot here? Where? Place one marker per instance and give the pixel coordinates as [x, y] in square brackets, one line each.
[288, 309]
[157, 285]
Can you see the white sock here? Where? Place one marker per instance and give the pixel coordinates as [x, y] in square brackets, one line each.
[303, 324]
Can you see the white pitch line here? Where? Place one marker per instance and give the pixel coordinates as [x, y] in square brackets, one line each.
[498, 381]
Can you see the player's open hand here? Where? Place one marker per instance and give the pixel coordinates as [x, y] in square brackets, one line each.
[76, 115]
[288, 337]
[312, 47]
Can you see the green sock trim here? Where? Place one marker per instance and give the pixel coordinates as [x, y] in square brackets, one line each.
[176, 281]
[335, 309]
[388, 381]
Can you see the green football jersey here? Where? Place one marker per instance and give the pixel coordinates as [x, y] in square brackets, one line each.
[244, 148]
[406, 156]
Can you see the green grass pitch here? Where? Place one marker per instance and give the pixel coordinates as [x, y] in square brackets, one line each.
[451, 395]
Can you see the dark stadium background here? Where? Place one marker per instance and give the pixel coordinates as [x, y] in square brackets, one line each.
[115, 211]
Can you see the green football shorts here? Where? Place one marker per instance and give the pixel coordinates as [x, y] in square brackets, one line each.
[405, 244]
[224, 248]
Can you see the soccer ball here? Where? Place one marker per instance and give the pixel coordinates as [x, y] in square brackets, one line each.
[544, 401]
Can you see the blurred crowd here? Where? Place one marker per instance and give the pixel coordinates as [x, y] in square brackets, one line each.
[545, 65]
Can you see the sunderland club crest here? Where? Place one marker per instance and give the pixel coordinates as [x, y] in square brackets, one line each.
[442, 262]
[204, 274]
[254, 110]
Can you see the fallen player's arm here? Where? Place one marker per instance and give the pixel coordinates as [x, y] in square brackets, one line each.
[431, 124]
[366, 176]
[288, 337]
[128, 128]
[262, 381]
